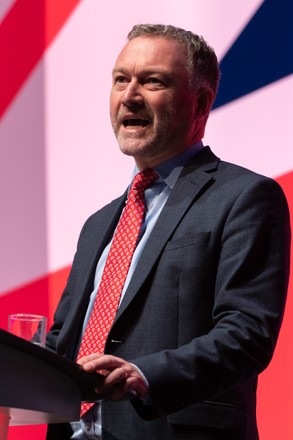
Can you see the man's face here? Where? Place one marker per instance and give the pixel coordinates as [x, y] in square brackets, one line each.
[153, 111]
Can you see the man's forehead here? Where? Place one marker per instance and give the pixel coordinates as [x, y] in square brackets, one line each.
[152, 50]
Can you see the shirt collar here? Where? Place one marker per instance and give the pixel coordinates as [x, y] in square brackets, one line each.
[170, 170]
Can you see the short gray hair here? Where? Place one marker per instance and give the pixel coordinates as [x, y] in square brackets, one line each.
[202, 62]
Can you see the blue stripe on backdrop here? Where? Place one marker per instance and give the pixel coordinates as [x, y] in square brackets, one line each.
[262, 54]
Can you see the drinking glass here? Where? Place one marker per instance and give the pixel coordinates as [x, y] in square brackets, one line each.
[28, 326]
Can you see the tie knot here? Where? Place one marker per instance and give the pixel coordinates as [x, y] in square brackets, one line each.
[144, 179]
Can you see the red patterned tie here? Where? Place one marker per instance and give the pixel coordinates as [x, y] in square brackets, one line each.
[116, 269]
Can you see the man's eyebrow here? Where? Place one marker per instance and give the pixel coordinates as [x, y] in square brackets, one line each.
[150, 71]
[119, 70]
[161, 72]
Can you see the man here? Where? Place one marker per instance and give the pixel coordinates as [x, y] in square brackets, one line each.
[203, 300]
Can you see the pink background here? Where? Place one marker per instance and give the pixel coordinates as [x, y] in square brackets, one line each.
[57, 147]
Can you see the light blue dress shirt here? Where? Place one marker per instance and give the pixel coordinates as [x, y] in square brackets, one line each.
[89, 428]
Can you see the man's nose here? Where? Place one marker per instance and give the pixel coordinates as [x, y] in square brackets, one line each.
[132, 94]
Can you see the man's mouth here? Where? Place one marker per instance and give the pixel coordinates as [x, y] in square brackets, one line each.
[128, 123]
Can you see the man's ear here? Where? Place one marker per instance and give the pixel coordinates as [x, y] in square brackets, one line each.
[205, 99]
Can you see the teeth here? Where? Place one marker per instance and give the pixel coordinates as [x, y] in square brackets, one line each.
[135, 122]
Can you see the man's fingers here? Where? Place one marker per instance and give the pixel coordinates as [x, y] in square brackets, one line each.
[122, 380]
[122, 386]
[96, 361]
[89, 358]
[115, 377]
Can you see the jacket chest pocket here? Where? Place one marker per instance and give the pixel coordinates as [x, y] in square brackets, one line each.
[200, 239]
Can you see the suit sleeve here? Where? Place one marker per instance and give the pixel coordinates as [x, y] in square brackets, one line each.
[66, 305]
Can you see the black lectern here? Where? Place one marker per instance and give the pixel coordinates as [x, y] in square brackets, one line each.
[38, 386]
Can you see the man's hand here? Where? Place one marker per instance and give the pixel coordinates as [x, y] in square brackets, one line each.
[122, 379]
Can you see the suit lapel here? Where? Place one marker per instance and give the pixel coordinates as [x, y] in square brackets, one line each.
[194, 179]
[95, 236]
[94, 244]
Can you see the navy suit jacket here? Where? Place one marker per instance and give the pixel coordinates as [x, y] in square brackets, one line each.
[202, 312]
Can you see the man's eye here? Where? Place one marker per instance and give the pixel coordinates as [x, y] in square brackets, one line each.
[154, 81]
[120, 82]
[120, 79]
